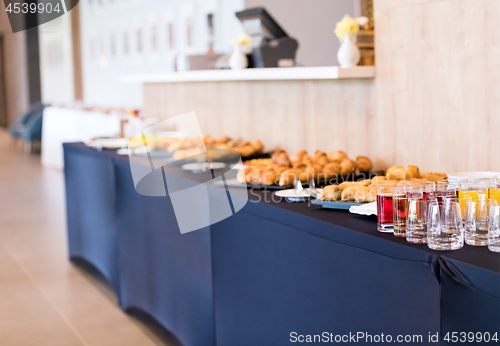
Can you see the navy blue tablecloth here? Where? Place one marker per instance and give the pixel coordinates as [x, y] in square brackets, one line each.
[271, 269]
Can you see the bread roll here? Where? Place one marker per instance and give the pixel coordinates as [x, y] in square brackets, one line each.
[276, 155]
[223, 139]
[412, 172]
[321, 160]
[297, 157]
[395, 173]
[347, 166]
[244, 151]
[364, 164]
[318, 154]
[288, 177]
[257, 146]
[307, 160]
[337, 156]
[283, 160]
[330, 170]
[269, 177]
[279, 168]
[307, 174]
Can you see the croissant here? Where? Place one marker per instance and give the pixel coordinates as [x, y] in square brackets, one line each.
[307, 160]
[318, 154]
[321, 160]
[288, 177]
[276, 155]
[257, 146]
[337, 156]
[307, 174]
[297, 157]
[269, 177]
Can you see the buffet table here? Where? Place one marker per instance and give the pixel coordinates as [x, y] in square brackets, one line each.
[271, 269]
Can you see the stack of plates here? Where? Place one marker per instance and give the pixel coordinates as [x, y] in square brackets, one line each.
[461, 176]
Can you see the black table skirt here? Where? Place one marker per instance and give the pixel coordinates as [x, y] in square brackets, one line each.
[271, 269]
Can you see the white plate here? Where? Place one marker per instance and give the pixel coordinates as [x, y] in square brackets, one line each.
[464, 175]
[295, 196]
[109, 143]
[199, 167]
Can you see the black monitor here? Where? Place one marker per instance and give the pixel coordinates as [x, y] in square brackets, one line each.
[267, 23]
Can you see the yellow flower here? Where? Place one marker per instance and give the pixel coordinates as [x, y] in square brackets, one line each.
[347, 25]
[243, 40]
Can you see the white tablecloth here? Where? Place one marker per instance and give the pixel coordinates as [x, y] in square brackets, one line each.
[62, 125]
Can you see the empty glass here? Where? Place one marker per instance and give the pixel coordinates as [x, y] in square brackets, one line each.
[494, 229]
[416, 230]
[476, 220]
[400, 207]
[385, 222]
[445, 230]
[445, 189]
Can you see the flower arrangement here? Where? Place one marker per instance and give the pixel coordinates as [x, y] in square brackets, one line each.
[347, 25]
[244, 40]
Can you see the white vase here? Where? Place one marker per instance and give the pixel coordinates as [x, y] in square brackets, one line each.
[348, 54]
[238, 60]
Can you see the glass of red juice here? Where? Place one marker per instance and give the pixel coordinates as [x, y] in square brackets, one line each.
[385, 218]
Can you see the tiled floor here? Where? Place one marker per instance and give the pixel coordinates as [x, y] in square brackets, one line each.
[44, 299]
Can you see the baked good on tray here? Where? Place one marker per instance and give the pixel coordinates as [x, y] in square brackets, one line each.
[284, 170]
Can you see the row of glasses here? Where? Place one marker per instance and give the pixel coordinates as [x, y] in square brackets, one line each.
[443, 215]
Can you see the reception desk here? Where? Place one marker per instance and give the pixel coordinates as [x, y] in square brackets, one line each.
[272, 269]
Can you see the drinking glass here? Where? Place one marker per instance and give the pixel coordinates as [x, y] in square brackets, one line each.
[476, 220]
[494, 190]
[445, 189]
[462, 201]
[416, 230]
[445, 229]
[385, 222]
[494, 229]
[400, 207]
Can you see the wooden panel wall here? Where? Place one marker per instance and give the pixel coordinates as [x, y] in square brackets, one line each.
[435, 100]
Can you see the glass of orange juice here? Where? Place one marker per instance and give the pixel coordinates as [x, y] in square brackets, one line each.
[494, 191]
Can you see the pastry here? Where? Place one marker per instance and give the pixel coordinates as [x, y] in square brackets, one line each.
[331, 193]
[257, 146]
[364, 164]
[269, 177]
[297, 157]
[412, 172]
[347, 166]
[337, 156]
[288, 177]
[395, 173]
[321, 160]
[331, 170]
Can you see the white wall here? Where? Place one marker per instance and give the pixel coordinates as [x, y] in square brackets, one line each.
[56, 62]
[311, 22]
